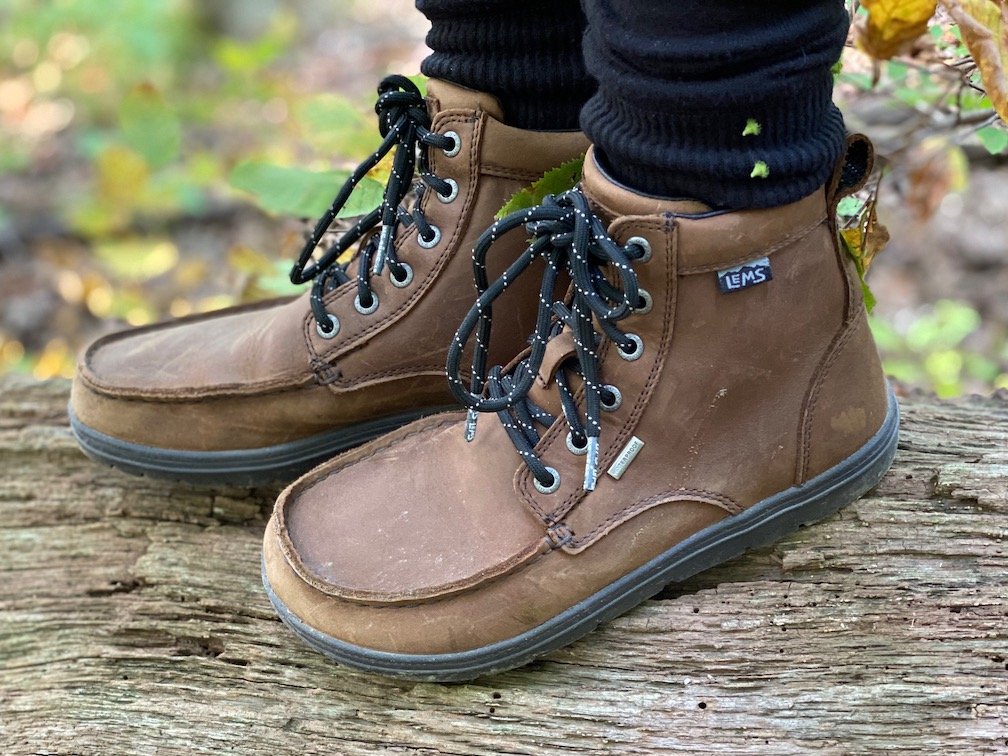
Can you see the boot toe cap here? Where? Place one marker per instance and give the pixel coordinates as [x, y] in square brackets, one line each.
[211, 382]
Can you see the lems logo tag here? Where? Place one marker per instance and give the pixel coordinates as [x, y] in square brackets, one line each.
[745, 276]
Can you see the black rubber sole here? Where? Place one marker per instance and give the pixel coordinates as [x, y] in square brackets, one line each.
[760, 525]
[280, 463]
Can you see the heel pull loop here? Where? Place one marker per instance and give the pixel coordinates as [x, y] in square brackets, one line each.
[852, 170]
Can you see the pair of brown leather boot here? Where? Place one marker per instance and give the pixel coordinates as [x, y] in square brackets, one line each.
[679, 385]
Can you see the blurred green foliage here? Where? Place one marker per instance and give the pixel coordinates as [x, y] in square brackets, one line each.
[151, 112]
[157, 114]
[931, 350]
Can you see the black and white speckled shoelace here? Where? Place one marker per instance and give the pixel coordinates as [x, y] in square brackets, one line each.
[569, 238]
[405, 126]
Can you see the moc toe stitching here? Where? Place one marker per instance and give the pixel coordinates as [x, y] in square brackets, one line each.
[305, 558]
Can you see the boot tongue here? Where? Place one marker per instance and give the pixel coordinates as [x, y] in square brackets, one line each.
[544, 392]
[441, 95]
[611, 200]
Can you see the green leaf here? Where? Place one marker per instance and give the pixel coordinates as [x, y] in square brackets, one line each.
[760, 170]
[136, 259]
[862, 81]
[994, 139]
[555, 181]
[869, 296]
[421, 82]
[150, 126]
[294, 191]
[946, 327]
[752, 128]
[277, 283]
[849, 207]
[334, 125]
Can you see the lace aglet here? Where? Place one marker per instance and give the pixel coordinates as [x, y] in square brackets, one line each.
[591, 464]
[382, 252]
[470, 426]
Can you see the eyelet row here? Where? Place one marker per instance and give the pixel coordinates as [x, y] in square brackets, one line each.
[400, 283]
[645, 306]
[407, 277]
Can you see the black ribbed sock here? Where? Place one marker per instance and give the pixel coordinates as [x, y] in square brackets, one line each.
[723, 101]
[527, 54]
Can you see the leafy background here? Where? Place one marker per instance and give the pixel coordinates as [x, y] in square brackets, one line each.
[159, 158]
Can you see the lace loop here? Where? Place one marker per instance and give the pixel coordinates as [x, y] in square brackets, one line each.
[404, 124]
[570, 239]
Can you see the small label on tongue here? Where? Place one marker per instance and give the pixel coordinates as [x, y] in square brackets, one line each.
[744, 276]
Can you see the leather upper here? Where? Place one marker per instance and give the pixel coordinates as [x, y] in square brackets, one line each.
[421, 543]
[262, 374]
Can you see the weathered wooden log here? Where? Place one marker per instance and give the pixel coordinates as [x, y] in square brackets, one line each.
[133, 622]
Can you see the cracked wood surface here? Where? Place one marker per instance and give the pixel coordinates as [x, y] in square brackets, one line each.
[133, 622]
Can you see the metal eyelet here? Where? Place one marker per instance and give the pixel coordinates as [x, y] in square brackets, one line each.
[552, 487]
[646, 303]
[574, 448]
[333, 322]
[644, 244]
[370, 308]
[433, 240]
[637, 351]
[452, 193]
[617, 398]
[452, 152]
[406, 280]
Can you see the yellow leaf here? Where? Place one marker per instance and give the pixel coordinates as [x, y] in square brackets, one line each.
[136, 259]
[893, 25]
[122, 175]
[864, 237]
[983, 25]
[247, 260]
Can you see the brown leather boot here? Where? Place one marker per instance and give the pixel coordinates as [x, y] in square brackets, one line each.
[708, 385]
[263, 392]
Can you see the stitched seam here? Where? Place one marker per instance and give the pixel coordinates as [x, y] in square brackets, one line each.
[321, 587]
[500, 171]
[446, 592]
[822, 372]
[656, 369]
[844, 332]
[301, 485]
[785, 241]
[419, 372]
[294, 560]
[689, 494]
[111, 338]
[666, 226]
[344, 291]
[193, 394]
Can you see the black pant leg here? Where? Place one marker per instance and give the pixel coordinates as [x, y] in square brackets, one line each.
[724, 101]
[527, 54]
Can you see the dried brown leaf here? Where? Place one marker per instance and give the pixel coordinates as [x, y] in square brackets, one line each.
[935, 168]
[983, 25]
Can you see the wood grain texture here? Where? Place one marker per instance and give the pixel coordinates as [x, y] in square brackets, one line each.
[132, 621]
